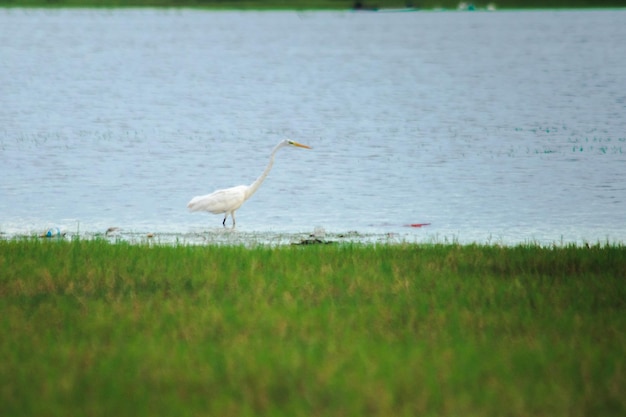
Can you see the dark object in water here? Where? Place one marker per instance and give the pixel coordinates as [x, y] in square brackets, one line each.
[358, 5]
[313, 241]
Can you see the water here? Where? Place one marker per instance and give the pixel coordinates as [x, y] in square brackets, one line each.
[505, 127]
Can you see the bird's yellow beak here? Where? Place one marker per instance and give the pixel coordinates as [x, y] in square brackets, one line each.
[299, 145]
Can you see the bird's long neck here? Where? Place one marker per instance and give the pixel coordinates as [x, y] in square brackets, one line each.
[257, 183]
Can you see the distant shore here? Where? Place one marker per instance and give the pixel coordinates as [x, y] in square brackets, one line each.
[371, 5]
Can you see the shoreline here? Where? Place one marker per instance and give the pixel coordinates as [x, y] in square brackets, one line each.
[311, 6]
[250, 238]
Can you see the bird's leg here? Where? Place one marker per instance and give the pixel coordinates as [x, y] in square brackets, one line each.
[233, 216]
[224, 221]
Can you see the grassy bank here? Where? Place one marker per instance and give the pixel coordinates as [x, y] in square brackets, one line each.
[315, 4]
[99, 329]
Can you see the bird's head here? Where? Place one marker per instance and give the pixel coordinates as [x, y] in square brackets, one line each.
[294, 143]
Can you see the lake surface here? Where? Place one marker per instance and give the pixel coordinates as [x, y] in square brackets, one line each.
[493, 127]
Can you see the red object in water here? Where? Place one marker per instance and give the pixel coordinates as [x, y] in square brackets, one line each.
[417, 224]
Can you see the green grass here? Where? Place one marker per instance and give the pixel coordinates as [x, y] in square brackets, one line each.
[99, 329]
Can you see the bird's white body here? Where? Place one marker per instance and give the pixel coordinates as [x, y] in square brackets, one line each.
[221, 201]
[228, 200]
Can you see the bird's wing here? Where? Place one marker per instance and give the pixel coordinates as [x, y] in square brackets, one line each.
[220, 201]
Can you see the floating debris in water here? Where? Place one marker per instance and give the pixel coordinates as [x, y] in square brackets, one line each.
[417, 225]
[113, 232]
[313, 241]
[318, 237]
[319, 232]
[349, 234]
[53, 232]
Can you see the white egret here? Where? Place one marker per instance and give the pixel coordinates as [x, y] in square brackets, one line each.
[228, 200]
